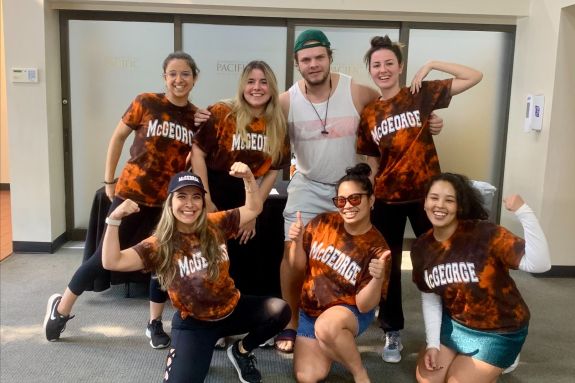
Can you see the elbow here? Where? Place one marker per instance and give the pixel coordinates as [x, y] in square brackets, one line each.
[479, 77]
[363, 308]
[365, 304]
[545, 267]
[105, 264]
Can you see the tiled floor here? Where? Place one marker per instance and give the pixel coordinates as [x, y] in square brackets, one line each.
[5, 225]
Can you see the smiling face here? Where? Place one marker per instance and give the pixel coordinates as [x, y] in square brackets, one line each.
[180, 80]
[385, 70]
[256, 91]
[441, 208]
[313, 65]
[187, 206]
[356, 217]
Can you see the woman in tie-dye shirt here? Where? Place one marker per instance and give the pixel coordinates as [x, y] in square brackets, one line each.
[188, 253]
[346, 265]
[395, 134]
[475, 318]
[162, 125]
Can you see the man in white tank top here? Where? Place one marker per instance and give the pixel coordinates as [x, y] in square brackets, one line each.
[323, 115]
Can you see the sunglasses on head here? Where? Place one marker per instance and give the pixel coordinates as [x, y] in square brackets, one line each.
[354, 200]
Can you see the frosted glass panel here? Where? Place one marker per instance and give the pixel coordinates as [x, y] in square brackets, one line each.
[110, 63]
[222, 51]
[472, 138]
[349, 46]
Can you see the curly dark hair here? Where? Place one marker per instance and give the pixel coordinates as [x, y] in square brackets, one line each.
[469, 199]
[360, 174]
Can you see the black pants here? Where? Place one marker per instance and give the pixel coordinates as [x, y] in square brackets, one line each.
[193, 340]
[228, 192]
[390, 220]
[134, 228]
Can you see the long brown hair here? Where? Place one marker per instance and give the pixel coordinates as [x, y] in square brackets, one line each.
[168, 236]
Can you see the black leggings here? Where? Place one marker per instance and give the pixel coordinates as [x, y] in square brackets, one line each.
[134, 228]
[193, 340]
[390, 220]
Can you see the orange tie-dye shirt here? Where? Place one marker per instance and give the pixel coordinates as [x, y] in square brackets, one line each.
[192, 292]
[223, 146]
[162, 141]
[338, 263]
[397, 132]
[470, 272]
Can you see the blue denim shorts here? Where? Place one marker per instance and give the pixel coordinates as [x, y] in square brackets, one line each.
[496, 348]
[306, 325]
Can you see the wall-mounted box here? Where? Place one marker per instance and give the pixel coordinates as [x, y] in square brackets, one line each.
[24, 74]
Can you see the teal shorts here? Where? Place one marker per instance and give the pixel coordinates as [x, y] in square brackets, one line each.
[496, 348]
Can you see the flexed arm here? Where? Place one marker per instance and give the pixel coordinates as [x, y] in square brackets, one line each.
[536, 258]
[113, 258]
[465, 77]
[254, 203]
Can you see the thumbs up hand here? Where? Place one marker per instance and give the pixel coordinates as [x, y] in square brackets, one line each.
[296, 229]
[377, 265]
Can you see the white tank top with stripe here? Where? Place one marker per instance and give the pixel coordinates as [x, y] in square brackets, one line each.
[324, 157]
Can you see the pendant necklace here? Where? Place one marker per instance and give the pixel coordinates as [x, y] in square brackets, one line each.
[324, 120]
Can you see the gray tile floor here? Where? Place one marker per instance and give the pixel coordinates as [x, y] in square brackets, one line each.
[106, 343]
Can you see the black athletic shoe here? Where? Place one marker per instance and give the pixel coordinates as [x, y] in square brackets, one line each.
[245, 364]
[157, 335]
[54, 323]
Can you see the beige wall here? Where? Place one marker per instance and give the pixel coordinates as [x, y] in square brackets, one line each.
[535, 165]
[4, 169]
[541, 166]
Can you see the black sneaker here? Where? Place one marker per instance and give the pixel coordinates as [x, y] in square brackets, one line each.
[54, 322]
[157, 335]
[245, 364]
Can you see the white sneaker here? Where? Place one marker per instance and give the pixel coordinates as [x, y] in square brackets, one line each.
[392, 349]
[512, 367]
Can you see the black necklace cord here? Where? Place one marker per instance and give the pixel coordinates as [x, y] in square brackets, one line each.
[324, 121]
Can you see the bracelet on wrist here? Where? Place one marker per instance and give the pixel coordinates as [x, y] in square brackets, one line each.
[113, 222]
[110, 183]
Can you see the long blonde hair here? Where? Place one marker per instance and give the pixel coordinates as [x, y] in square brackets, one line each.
[275, 121]
[168, 236]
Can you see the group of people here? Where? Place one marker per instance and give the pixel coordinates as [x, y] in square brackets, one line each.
[365, 162]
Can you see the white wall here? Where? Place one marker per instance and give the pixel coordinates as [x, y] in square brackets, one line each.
[541, 166]
[532, 159]
[34, 123]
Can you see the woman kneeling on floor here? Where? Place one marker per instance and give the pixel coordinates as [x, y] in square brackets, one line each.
[346, 263]
[188, 253]
[475, 318]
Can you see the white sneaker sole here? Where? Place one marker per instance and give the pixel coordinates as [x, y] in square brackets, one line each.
[393, 359]
[149, 335]
[511, 368]
[235, 364]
